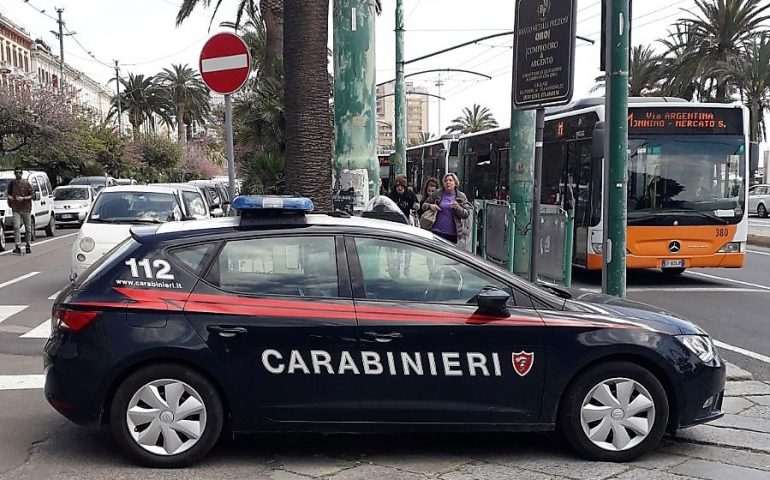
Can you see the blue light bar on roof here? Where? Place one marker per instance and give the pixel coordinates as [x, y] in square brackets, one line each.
[255, 203]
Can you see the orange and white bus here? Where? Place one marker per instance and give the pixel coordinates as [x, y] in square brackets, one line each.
[687, 179]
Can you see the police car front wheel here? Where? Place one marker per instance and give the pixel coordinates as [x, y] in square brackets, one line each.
[166, 416]
[614, 412]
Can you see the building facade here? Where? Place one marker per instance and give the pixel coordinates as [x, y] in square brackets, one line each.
[417, 114]
[15, 54]
[27, 63]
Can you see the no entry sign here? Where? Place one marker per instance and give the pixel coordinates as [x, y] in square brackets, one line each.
[225, 63]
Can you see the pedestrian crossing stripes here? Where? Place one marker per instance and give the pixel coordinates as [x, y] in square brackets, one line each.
[7, 311]
[21, 382]
[41, 331]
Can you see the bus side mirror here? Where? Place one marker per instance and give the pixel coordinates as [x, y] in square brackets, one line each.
[597, 142]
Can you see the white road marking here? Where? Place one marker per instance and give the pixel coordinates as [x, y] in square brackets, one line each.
[41, 331]
[224, 63]
[686, 289]
[759, 253]
[7, 311]
[739, 282]
[10, 244]
[56, 294]
[743, 351]
[698, 289]
[21, 382]
[18, 279]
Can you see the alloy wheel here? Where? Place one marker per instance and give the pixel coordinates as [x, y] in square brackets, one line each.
[166, 417]
[617, 414]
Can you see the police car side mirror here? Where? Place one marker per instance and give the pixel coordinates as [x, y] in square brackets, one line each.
[493, 301]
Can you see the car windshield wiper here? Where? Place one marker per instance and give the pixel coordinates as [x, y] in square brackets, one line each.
[104, 220]
[145, 220]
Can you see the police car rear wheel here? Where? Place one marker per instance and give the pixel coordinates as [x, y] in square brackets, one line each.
[166, 416]
[2, 236]
[614, 412]
[50, 230]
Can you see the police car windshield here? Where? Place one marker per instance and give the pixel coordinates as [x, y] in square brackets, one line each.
[135, 207]
[70, 194]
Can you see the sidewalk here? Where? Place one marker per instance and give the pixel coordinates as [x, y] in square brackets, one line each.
[759, 233]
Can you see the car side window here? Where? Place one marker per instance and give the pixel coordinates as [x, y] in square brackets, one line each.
[401, 272]
[34, 184]
[194, 256]
[291, 266]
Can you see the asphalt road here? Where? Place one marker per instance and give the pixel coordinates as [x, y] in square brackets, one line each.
[732, 305]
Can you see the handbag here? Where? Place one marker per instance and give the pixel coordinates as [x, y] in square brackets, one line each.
[427, 220]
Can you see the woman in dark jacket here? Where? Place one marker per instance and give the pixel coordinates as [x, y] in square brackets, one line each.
[403, 197]
[451, 207]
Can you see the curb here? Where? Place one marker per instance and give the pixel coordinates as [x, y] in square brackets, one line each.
[759, 240]
[737, 374]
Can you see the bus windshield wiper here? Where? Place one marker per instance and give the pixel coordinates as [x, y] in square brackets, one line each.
[673, 212]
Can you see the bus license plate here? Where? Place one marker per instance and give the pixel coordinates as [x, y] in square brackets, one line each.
[674, 263]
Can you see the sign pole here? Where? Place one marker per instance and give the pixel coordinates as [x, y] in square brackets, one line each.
[616, 150]
[535, 214]
[229, 145]
[225, 64]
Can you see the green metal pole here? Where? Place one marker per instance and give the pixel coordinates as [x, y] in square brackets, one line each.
[355, 105]
[569, 240]
[399, 166]
[511, 234]
[484, 230]
[615, 149]
[521, 170]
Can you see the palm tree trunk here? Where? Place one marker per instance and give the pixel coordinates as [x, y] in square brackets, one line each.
[308, 136]
[272, 15]
[181, 133]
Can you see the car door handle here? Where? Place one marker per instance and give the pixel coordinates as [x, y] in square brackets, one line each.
[226, 332]
[383, 337]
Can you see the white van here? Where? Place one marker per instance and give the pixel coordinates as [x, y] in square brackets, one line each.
[42, 204]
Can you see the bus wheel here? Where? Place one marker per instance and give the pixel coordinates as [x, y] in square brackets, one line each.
[673, 271]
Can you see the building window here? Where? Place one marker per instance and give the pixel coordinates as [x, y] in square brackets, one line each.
[26, 64]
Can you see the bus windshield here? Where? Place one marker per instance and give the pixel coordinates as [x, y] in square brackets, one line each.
[694, 179]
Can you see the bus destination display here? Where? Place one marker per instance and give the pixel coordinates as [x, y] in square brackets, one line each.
[684, 121]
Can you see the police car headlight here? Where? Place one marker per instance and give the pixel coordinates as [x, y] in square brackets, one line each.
[81, 258]
[700, 345]
[732, 247]
[87, 244]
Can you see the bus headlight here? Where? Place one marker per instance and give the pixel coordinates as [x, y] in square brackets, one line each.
[701, 346]
[732, 247]
[597, 247]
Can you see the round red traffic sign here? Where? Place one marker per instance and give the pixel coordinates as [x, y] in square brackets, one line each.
[225, 63]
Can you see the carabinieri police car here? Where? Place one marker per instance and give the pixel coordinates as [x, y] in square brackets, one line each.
[283, 320]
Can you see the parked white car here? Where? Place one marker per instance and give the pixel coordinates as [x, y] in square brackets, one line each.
[114, 212]
[759, 200]
[71, 203]
[42, 204]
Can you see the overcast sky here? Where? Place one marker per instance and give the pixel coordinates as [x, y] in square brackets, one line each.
[142, 36]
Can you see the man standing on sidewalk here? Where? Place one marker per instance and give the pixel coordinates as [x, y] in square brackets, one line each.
[20, 201]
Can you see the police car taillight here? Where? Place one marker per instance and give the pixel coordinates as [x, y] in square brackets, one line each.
[73, 320]
[257, 204]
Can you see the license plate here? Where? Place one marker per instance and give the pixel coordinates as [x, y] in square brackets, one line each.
[68, 217]
[673, 263]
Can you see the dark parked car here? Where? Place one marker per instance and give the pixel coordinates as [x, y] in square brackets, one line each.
[282, 320]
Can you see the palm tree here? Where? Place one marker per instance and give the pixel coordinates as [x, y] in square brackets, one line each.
[752, 77]
[309, 136]
[473, 120]
[188, 94]
[423, 137]
[143, 98]
[717, 36]
[644, 73]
